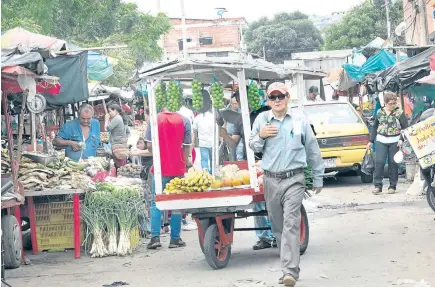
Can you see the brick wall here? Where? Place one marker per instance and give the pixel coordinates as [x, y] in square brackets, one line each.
[224, 36]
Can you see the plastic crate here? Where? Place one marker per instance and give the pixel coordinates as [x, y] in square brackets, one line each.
[54, 213]
[57, 236]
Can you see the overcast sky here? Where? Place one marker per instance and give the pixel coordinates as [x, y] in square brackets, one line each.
[250, 9]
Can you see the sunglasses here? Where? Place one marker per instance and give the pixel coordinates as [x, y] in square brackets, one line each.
[275, 97]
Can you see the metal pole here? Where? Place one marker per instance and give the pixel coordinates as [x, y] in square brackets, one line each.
[247, 129]
[155, 138]
[264, 53]
[424, 23]
[387, 8]
[183, 24]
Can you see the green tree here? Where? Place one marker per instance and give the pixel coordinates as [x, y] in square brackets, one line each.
[362, 24]
[284, 34]
[90, 23]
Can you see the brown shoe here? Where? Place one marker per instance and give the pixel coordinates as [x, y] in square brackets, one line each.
[377, 191]
[289, 281]
[391, 190]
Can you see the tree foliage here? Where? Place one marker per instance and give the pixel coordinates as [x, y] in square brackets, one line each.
[282, 35]
[362, 24]
[90, 23]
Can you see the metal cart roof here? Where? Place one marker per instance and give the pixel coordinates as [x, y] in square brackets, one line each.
[225, 69]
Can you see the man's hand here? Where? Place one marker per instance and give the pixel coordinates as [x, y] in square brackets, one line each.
[189, 164]
[107, 117]
[400, 144]
[369, 145]
[222, 132]
[268, 131]
[75, 146]
[317, 190]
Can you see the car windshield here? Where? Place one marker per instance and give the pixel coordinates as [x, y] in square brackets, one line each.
[339, 113]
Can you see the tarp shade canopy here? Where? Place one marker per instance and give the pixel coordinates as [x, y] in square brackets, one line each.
[31, 60]
[380, 61]
[404, 74]
[71, 69]
[21, 37]
[99, 65]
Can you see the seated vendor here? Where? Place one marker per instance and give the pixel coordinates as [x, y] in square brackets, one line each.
[80, 137]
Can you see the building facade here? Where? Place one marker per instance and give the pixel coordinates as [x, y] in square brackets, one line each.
[206, 37]
[413, 19]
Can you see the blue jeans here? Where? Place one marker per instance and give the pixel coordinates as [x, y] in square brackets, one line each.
[206, 157]
[156, 215]
[262, 221]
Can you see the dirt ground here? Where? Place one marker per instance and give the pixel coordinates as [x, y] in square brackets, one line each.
[356, 239]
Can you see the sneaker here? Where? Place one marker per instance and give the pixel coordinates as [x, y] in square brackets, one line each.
[377, 191]
[281, 280]
[391, 190]
[262, 244]
[154, 243]
[289, 281]
[175, 243]
[189, 227]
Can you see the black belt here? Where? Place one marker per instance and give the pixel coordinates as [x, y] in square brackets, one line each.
[285, 174]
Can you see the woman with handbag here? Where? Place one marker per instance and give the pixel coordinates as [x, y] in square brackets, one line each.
[389, 122]
[118, 135]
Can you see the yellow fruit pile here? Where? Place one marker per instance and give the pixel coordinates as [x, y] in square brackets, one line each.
[193, 181]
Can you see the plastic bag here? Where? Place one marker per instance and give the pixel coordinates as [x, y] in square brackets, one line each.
[368, 163]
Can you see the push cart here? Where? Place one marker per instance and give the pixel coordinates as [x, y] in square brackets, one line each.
[12, 196]
[216, 211]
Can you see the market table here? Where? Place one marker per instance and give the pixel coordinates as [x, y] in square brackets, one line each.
[76, 210]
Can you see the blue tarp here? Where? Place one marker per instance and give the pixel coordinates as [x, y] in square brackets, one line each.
[378, 62]
[99, 67]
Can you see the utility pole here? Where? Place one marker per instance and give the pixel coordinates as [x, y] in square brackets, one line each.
[424, 23]
[387, 8]
[264, 53]
[183, 24]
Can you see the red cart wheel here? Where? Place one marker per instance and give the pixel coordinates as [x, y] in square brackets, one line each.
[216, 254]
[304, 231]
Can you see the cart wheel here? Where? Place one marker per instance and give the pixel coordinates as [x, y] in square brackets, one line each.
[304, 230]
[205, 223]
[216, 254]
[11, 237]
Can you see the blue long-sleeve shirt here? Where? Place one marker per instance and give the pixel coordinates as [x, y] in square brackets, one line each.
[73, 131]
[293, 147]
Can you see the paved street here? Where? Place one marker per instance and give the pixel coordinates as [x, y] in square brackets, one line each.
[356, 239]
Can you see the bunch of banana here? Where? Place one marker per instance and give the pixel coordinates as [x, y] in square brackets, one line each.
[192, 182]
[74, 165]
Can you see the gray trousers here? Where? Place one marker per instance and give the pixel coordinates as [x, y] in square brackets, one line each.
[283, 200]
[382, 152]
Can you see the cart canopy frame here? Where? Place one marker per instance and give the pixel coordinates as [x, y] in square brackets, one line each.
[223, 70]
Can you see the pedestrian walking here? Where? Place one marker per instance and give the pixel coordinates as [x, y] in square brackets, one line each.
[175, 139]
[390, 120]
[288, 144]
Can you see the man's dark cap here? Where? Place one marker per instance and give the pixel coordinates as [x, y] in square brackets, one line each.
[313, 89]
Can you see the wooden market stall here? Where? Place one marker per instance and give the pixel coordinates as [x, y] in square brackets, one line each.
[215, 210]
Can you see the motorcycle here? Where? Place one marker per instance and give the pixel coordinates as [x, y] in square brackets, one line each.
[428, 173]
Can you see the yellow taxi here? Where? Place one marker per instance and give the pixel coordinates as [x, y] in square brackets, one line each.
[341, 133]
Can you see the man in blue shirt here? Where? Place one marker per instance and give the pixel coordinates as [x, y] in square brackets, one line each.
[288, 144]
[80, 137]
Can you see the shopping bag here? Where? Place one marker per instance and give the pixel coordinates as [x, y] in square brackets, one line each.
[368, 163]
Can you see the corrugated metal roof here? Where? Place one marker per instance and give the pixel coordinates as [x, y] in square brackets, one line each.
[322, 54]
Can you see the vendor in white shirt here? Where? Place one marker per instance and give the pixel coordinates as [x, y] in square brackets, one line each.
[203, 124]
